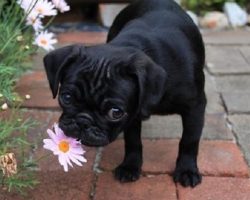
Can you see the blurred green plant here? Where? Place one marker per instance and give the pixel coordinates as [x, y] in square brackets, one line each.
[203, 6]
[21, 33]
[15, 126]
[15, 50]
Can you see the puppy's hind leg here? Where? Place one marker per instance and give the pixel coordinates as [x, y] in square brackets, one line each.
[130, 169]
[186, 171]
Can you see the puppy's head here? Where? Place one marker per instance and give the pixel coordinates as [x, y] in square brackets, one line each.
[102, 89]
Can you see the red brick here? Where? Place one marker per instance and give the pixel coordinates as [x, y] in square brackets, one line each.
[75, 184]
[158, 187]
[36, 85]
[159, 155]
[220, 158]
[88, 38]
[213, 188]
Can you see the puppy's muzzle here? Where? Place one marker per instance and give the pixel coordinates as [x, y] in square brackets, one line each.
[82, 128]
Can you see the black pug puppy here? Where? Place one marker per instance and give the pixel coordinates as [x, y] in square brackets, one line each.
[152, 64]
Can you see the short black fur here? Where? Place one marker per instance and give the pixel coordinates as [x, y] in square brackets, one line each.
[152, 64]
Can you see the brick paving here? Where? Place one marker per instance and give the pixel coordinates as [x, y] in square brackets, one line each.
[224, 157]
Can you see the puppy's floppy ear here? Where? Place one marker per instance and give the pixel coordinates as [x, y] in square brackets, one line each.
[151, 80]
[56, 61]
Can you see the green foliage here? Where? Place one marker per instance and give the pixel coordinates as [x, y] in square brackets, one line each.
[201, 6]
[15, 50]
[13, 138]
[15, 46]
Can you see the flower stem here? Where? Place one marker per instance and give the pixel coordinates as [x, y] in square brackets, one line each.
[43, 157]
[49, 22]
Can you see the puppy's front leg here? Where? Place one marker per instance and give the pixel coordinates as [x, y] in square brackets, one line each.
[130, 169]
[186, 171]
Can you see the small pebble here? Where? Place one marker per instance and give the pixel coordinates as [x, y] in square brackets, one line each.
[27, 96]
[4, 106]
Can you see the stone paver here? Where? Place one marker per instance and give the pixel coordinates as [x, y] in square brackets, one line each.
[241, 127]
[237, 102]
[226, 60]
[245, 51]
[214, 103]
[233, 83]
[232, 37]
[217, 158]
[159, 187]
[171, 127]
[235, 92]
[213, 188]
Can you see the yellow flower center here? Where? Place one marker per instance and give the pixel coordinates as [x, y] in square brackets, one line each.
[33, 20]
[43, 41]
[64, 146]
[40, 10]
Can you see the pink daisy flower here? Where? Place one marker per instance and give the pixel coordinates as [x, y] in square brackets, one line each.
[67, 149]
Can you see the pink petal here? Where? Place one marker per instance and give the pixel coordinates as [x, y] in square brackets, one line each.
[52, 135]
[59, 131]
[49, 144]
[77, 150]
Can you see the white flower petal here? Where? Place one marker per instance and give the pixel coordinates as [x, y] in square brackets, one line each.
[78, 157]
[75, 161]
[67, 157]
[61, 5]
[63, 162]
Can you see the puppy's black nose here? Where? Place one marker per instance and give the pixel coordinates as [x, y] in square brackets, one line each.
[84, 121]
[69, 126]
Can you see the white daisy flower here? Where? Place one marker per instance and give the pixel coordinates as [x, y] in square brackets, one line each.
[45, 40]
[67, 149]
[45, 8]
[34, 20]
[27, 5]
[61, 5]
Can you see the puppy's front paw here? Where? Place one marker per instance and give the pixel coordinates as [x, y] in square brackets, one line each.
[187, 177]
[127, 174]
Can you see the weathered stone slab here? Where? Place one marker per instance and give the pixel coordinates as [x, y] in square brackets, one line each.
[239, 36]
[226, 60]
[233, 83]
[246, 53]
[171, 127]
[241, 127]
[214, 103]
[237, 102]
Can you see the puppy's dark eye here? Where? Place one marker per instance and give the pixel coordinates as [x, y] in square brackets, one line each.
[66, 98]
[115, 114]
